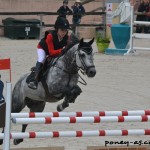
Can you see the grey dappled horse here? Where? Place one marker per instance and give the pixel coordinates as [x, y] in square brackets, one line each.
[61, 80]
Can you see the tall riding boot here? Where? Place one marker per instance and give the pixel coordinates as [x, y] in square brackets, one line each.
[33, 84]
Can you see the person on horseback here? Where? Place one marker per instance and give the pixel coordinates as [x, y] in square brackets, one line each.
[53, 44]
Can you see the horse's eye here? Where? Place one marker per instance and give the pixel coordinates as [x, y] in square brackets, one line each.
[82, 55]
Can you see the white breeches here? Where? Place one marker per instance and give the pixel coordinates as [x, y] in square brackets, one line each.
[41, 55]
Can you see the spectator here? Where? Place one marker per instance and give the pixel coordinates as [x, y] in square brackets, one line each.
[136, 4]
[64, 10]
[1, 91]
[78, 11]
[147, 28]
[143, 7]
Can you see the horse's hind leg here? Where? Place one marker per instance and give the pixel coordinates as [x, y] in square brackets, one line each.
[34, 106]
[17, 141]
[17, 108]
[18, 103]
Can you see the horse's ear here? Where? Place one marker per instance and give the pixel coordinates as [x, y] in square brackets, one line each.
[91, 42]
[81, 42]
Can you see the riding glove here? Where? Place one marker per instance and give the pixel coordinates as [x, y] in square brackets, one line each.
[64, 50]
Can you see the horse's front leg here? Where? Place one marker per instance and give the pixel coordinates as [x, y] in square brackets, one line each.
[70, 95]
[63, 105]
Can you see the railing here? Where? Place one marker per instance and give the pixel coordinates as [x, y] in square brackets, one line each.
[137, 35]
[42, 14]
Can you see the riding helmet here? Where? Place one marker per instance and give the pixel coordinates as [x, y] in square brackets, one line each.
[65, 1]
[62, 23]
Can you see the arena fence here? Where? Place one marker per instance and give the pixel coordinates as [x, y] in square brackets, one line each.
[42, 14]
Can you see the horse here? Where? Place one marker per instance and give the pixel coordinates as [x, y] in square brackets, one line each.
[60, 82]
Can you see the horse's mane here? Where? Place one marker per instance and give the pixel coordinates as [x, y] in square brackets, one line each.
[73, 40]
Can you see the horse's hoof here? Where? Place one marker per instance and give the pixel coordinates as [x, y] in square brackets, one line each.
[60, 108]
[1, 142]
[17, 141]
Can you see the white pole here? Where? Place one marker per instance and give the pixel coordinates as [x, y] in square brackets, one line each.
[81, 114]
[58, 134]
[131, 31]
[8, 117]
[96, 119]
[142, 22]
[132, 19]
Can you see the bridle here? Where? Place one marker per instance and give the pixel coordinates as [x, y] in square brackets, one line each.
[85, 67]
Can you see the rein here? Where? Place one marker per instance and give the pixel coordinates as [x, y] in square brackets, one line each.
[84, 82]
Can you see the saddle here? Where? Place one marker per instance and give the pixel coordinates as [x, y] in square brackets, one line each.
[42, 75]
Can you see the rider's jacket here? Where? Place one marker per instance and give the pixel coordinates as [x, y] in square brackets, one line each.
[51, 44]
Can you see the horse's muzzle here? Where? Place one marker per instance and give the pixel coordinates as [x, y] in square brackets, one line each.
[91, 71]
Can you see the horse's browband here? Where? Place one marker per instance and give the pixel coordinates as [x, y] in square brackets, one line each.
[85, 49]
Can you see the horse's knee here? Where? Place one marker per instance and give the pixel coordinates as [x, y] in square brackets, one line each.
[75, 92]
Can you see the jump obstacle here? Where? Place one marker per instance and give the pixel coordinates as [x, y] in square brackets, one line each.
[70, 117]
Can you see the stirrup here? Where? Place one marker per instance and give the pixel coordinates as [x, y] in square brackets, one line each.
[33, 85]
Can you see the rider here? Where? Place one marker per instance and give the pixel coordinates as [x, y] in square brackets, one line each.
[53, 44]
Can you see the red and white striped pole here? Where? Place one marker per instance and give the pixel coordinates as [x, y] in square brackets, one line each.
[96, 119]
[93, 133]
[81, 114]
